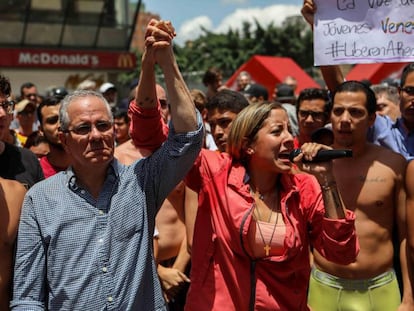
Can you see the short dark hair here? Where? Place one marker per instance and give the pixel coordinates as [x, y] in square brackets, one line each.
[357, 86]
[407, 70]
[313, 93]
[227, 100]
[35, 139]
[256, 90]
[47, 101]
[5, 87]
[26, 85]
[211, 75]
[121, 113]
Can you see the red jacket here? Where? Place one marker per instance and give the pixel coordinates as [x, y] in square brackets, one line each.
[147, 128]
[224, 274]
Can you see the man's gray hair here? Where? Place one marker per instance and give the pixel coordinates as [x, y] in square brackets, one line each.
[63, 111]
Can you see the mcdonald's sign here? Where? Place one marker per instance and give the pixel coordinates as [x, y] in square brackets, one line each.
[69, 59]
[126, 61]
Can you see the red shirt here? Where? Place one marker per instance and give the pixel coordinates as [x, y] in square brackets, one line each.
[48, 168]
[223, 268]
[148, 130]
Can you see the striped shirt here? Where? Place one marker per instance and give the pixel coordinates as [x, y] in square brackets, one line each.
[75, 252]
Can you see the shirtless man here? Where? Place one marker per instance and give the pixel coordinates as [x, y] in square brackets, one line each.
[374, 189]
[409, 183]
[11, 198]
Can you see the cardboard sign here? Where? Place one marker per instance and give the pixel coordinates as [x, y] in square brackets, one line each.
[363, 31]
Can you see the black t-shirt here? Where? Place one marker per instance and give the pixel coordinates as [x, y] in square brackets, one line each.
[20, 164]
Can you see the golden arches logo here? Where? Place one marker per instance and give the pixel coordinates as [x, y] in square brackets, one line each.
[125, 61]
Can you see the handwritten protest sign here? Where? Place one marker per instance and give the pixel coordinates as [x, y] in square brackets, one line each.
[363, 31]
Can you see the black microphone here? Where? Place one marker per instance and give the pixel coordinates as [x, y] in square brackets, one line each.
[323, 155]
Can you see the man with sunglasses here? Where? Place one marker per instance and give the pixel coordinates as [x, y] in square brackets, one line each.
[312, 112]
[26, 117]
[85, 235]
[28, 92]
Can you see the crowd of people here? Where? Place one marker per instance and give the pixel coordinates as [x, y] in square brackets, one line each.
[194, 200]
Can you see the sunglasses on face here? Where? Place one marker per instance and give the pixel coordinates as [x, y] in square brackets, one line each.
[316, 115]
[408, 90]
[85, 129]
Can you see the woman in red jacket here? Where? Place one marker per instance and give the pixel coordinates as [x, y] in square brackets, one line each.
[256, 220]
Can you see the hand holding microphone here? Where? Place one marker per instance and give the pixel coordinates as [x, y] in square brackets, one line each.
[323, 155]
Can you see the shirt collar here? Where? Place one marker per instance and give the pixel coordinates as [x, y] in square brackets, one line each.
[112, 172]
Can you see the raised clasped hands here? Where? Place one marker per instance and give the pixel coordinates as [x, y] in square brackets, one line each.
[158, 39]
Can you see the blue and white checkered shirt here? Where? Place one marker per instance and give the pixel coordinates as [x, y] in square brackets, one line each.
[75, 252]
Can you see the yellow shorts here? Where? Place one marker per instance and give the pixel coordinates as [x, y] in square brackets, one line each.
[330, 293]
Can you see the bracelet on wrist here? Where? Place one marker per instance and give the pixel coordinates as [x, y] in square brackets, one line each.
[328, 185]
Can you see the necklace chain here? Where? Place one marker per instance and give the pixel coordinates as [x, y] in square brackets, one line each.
[267, 246]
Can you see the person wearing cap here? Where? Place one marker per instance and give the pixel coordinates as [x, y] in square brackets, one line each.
[59, 92]
[28, 91]
[87, 85]
[26, 115]
[256, 93]
[110, 92]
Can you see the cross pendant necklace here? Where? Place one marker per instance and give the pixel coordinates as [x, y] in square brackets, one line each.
[267, 246]
[267, 249]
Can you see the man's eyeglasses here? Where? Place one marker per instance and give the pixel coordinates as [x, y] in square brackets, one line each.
[85, 129]
[7, 106]
[316, 115]
[408, 89]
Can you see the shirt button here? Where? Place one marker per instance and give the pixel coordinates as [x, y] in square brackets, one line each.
[101, 212]
[83, 191]
[104, 269]
[110, 299]
[100, 240]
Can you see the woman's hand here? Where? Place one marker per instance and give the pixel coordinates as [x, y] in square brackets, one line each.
[321, 170]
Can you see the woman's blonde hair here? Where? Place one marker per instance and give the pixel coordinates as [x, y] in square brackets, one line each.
[245, 126]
